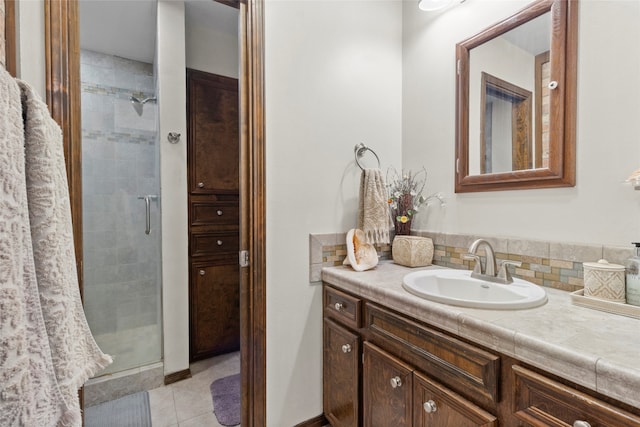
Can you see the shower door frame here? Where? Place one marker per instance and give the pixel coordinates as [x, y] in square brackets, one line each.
[62, 67]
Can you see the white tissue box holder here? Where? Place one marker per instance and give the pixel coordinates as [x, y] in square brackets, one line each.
[412, 251]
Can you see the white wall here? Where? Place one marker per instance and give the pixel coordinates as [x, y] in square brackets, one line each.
[171, 86]
[600, 209]
[214, 49]
[30, 44]
[333, 79]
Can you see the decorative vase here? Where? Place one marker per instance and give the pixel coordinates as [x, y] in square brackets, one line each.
[412, 251]
[402, 228]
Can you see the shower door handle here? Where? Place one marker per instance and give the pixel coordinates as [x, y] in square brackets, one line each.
[147, 204]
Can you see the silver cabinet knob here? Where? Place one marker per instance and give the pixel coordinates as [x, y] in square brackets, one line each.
[201, 272]
[201, 185]
[580, 423]
[396, 382]
[219, 242]
[339, 306]
[430, 406]
[219, 213]
[553, 84]
[346, 348]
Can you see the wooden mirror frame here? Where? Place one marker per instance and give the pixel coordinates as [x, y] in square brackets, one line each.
[62, 58]
[562, 146]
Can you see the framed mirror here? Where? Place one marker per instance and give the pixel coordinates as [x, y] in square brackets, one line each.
[516, 101]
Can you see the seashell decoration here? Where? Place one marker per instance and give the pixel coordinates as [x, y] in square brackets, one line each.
[360, 254]
[634, 179]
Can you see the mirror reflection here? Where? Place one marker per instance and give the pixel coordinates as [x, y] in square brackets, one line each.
[508, 87]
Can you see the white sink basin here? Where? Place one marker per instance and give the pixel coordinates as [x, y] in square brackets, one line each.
[457, 287]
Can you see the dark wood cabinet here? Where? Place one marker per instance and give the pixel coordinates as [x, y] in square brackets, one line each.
[213, 133]
[341, 364]
[436, 405]
[387, 389]
[396, 395]
[212, 164]
[214, 311]
[541, 401]
[413, 374]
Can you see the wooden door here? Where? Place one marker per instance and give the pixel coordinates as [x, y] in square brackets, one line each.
[386, 389]
[436, 406]
[341, 375]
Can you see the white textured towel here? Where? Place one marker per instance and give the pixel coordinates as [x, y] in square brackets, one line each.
[29, 392]
[373, 209]
[74, 352]
[46, 349]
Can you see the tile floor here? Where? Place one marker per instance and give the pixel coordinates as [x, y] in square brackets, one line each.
[187, 403]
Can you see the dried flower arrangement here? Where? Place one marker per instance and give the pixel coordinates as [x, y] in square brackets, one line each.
[405, 197]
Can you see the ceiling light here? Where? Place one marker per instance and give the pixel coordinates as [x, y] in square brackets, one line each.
[431, 5]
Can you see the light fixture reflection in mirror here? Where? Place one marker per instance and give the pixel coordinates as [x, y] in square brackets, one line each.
[431, 5]
[516, 101]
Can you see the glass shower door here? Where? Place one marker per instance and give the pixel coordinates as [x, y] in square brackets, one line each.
[121, 209]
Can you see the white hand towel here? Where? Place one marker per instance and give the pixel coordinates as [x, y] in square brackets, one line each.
[373, 210]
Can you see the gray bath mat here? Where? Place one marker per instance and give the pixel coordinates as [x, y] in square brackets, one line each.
[225, 393]
[129, 411]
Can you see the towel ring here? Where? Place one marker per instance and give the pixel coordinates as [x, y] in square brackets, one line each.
[359, 151]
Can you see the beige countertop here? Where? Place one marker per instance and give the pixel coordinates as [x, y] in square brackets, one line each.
[598, 350]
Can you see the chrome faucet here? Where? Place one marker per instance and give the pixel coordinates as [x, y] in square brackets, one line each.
[502, 276]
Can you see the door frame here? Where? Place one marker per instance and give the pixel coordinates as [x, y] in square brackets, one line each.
[62, 65]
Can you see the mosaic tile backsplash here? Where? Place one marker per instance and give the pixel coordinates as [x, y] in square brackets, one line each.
[552, 264]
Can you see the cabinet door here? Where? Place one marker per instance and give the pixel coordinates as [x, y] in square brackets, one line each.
[341, 375]
[215, 308]
[387, 388]
[435, 405]
[213, 153]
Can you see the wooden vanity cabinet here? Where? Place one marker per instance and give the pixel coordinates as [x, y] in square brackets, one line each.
[341, 359]
[394, 394]
[374, 388]
[410, 374]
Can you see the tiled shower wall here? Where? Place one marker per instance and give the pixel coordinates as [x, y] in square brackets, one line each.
[552, 264]
[120, 162]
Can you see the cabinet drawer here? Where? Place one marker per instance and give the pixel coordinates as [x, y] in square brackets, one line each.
[467, 369]
[214, 213]
[207, 244]
[342, 307]
[541, 401]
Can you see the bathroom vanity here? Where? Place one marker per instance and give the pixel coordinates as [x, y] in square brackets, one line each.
[394, 359]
